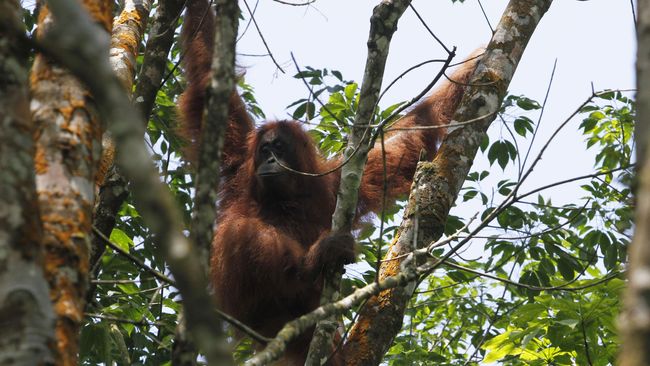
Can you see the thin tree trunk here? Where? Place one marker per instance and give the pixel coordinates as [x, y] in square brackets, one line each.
[635, 319]
[383, 24]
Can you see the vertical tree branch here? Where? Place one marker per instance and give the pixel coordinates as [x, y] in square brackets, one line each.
[213, 127]
[128, 29]
[436, 184]
[215, 120]
[68, 148]
[113, 186]
[154, 63]
[635, 318]
[76, 43]
[383, 24]
[642, 130]
[26, 312]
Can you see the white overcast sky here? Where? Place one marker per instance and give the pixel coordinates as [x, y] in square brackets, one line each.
[592, 41]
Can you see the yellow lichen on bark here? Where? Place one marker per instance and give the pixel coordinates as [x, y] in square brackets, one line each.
[101, 11]
[128, 28]
[68, 147]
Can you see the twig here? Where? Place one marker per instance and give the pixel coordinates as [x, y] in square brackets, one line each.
[539, 119]
[403, 107]
[295, 4]
[429, 30]
[405, 73]
[487, 20]
[562, 287]
[142, 323]
[133, 258]
[268, 49]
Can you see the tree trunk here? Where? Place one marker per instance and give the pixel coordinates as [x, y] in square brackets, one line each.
[635, 319]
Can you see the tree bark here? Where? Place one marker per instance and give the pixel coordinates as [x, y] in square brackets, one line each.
[68, 149]
[635, 318]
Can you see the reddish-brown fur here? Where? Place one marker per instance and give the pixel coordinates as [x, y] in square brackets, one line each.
[268, 252]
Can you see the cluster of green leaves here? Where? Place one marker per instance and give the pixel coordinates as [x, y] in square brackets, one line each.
[563, 262]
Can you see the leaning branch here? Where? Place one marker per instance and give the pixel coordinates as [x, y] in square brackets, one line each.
[437, 183]
[77, 43]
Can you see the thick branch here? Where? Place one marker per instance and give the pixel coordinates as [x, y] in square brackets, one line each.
[635, 318]
[77, 43]
[214, 125]
[436, 184]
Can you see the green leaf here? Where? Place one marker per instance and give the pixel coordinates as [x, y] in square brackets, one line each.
[485, 142]
[496, 150]
[523, 125]
[469, 195]
[566, 269]
[571, 323]
[527, 104]
[350, 91]
[121, 239]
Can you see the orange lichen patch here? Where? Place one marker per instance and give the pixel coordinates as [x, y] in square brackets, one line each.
[65, 225]
[67, 302]
[40, 71]
[60, 228]
[126, 41]
[361, 340]
[40, 160]
[359, 336]
[66, 343]
[390, 267]
[128, 15]
[101, 11]
[74, 102]
[108, 156]
[66, 267]
[43, 14]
